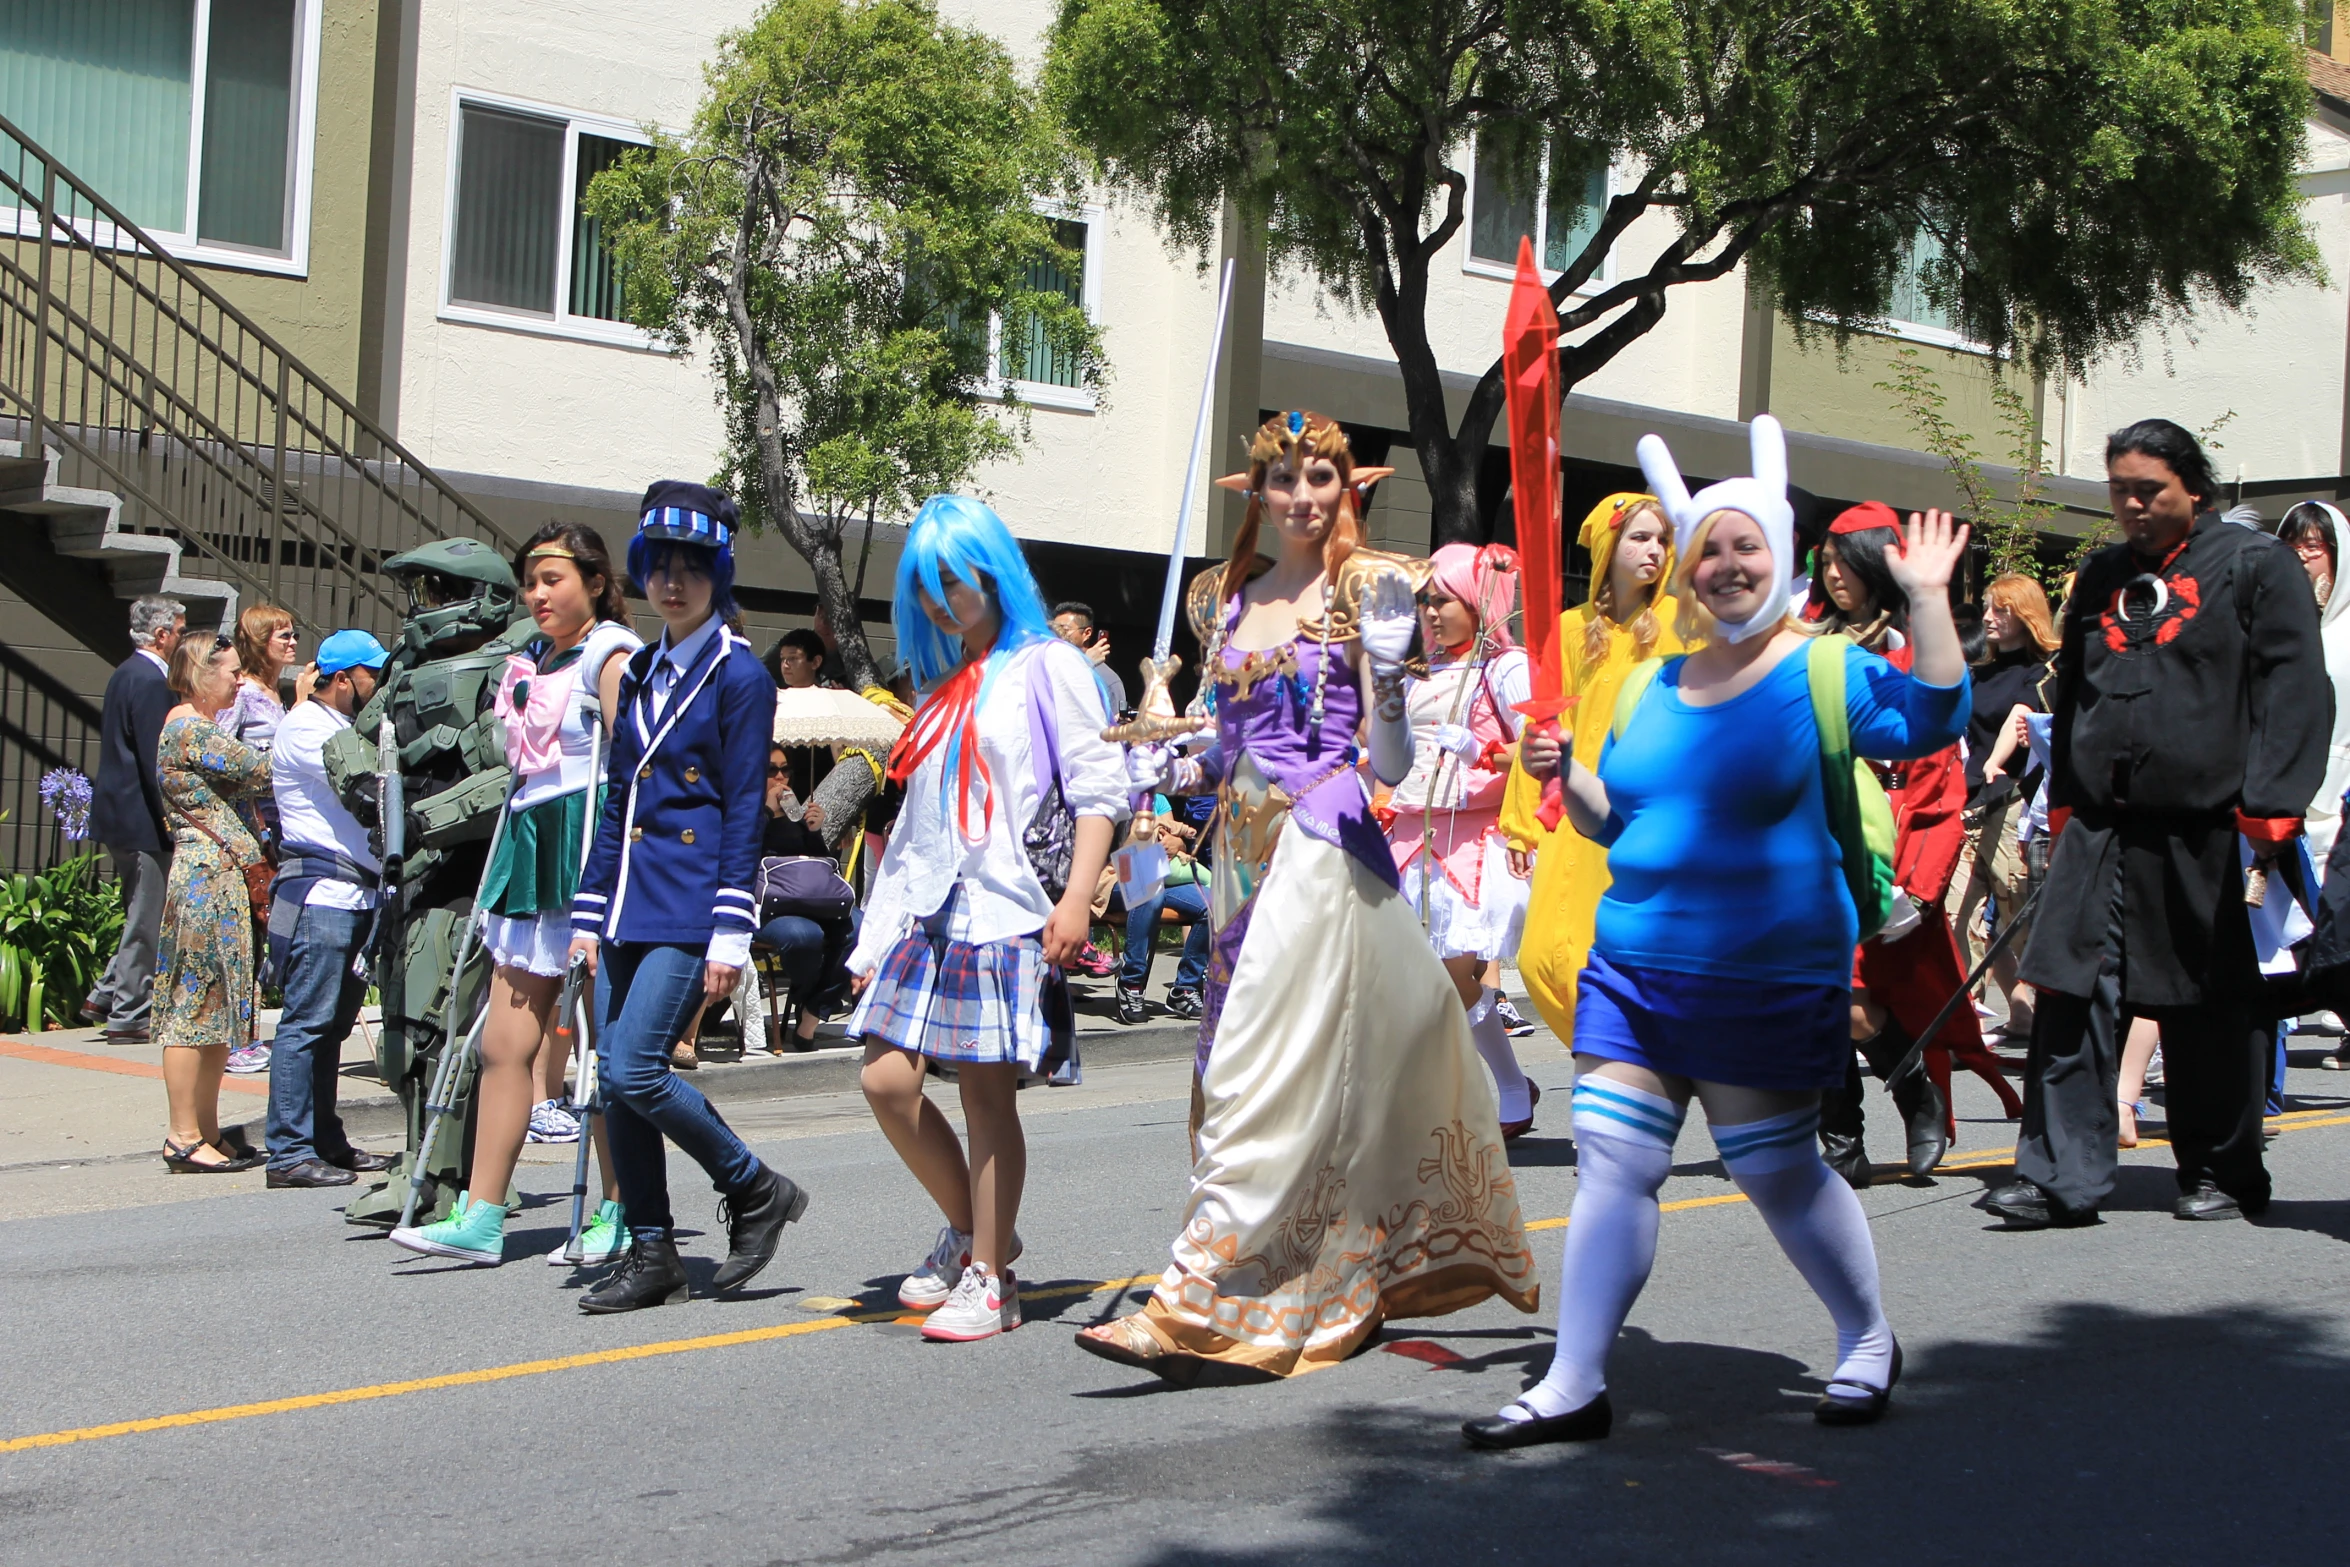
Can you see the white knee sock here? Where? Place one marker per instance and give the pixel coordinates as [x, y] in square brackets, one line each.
[1623, 1152]
[1818, 1222]
[1493, 1044]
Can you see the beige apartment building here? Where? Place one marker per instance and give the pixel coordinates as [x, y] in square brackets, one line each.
[369, 311]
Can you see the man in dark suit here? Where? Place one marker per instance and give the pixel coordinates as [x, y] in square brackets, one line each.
[126, 813]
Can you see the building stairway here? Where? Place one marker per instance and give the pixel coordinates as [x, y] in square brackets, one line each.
[155, 439]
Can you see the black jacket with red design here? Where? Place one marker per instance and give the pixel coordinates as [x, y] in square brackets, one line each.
[2190, 704]
[2209, 694]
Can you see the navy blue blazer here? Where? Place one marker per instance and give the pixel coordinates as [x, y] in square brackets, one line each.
[678, 844]
[126, 798]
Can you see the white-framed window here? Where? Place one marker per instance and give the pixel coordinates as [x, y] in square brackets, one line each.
[518, 248]
[1560, 206]
[196, 118]
[1910, 313]
[1030, 368]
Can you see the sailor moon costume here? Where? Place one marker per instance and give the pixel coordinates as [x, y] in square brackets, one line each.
[1350, 1165]
[547, 702]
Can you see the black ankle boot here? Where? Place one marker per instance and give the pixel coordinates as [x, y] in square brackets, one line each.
[1847, 1158]
[754, 1219]
[1922, 1108]
[648, 1275]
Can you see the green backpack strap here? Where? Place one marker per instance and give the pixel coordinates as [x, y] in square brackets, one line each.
[1636, 683]
[1859, 814]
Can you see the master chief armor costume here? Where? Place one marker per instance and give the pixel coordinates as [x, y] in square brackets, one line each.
[463, 621]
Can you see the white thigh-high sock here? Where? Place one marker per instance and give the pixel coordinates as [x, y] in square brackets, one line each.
[1818, 1222]
[1623, 1152]
[1493, 1044]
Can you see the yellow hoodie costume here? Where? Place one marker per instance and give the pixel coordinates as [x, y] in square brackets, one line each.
[1570, 871]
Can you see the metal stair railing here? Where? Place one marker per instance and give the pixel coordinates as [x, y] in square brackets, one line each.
[150, 384]
[42, 725]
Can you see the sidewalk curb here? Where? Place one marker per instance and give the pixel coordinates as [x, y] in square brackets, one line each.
[374, 1112]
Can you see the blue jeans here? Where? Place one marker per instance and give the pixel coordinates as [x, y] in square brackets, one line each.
[322, 1002]
[799, 944]
[645, 996]
[1142, 930]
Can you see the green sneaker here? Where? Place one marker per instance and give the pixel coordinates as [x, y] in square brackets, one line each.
[604, 1237]
[473, 1232]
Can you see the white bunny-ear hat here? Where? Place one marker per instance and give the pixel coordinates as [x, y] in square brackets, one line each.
[1762, 496]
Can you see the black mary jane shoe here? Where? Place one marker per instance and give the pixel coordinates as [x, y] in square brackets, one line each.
[1588, 1424]
[1843, 1409]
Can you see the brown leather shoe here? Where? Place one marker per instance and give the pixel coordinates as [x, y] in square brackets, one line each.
[360, 1160]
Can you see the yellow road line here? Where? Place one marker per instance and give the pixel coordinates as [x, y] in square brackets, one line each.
[2300, 1121]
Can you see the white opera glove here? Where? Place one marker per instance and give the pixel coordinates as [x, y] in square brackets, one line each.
[1901, 919]
[1455, 738]
[1389, 622]
[1149, 767]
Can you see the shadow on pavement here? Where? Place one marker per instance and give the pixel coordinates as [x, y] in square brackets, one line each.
[2110, 1434]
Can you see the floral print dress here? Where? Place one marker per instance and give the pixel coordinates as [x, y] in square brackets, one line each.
[205, 990]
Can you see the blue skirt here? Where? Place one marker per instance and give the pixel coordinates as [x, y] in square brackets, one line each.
[1745, 1032]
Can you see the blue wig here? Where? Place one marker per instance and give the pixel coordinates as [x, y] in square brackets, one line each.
[648, 555]
[956, 536]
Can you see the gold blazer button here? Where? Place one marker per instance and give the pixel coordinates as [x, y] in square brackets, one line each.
[645, 771]
[693, 775]
[636, 835]
[686, 836]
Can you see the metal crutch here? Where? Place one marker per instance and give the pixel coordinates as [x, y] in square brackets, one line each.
[573, 1017]
[574, 1011]
[442, 1101]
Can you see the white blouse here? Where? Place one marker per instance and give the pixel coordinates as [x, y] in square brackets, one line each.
[928, 854]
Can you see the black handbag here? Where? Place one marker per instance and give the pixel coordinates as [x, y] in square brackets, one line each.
[804, 884]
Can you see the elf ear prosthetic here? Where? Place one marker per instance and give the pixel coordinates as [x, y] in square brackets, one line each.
[1762, 496]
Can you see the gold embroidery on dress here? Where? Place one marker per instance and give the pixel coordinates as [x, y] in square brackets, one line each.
[1271, 664]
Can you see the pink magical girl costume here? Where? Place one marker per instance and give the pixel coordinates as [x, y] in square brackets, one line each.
[1446, 829]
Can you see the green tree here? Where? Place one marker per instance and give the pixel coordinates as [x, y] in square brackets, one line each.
[858, 230]
[2074, 169]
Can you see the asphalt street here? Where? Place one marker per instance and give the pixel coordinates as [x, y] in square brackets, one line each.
[240, 1377]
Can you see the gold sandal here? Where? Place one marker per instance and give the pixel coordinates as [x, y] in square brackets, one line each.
[1126, 1341]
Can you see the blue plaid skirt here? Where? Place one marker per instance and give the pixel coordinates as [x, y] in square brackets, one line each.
[936, 996]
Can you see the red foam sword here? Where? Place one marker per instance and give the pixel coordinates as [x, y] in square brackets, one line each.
[1530, 363]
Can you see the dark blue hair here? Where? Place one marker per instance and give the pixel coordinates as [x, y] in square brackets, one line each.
[646, 556]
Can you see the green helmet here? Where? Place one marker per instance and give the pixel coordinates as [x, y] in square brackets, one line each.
[457, 588]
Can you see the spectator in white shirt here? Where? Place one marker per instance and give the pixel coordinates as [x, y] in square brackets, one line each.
[318, 920]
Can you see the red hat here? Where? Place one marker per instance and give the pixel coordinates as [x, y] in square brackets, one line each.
[1867, 515]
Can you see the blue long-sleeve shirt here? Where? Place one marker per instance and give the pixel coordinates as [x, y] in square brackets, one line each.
[1718, 840]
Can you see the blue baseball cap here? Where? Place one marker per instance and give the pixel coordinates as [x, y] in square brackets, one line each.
[350, 650]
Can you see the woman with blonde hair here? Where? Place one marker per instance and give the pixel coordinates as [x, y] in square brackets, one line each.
[204, 985]
[1626, 620]
[1349, 1164]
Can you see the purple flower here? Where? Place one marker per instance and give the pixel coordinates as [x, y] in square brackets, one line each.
[67, 794]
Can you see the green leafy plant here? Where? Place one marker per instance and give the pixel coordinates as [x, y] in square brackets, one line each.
[2007, 527]
[2045, 151]
[865, 229]
[57, 929]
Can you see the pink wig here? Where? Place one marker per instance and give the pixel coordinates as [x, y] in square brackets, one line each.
[1486, 579]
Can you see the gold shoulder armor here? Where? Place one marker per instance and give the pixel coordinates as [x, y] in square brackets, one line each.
[1199, 602]
[1362, 568]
